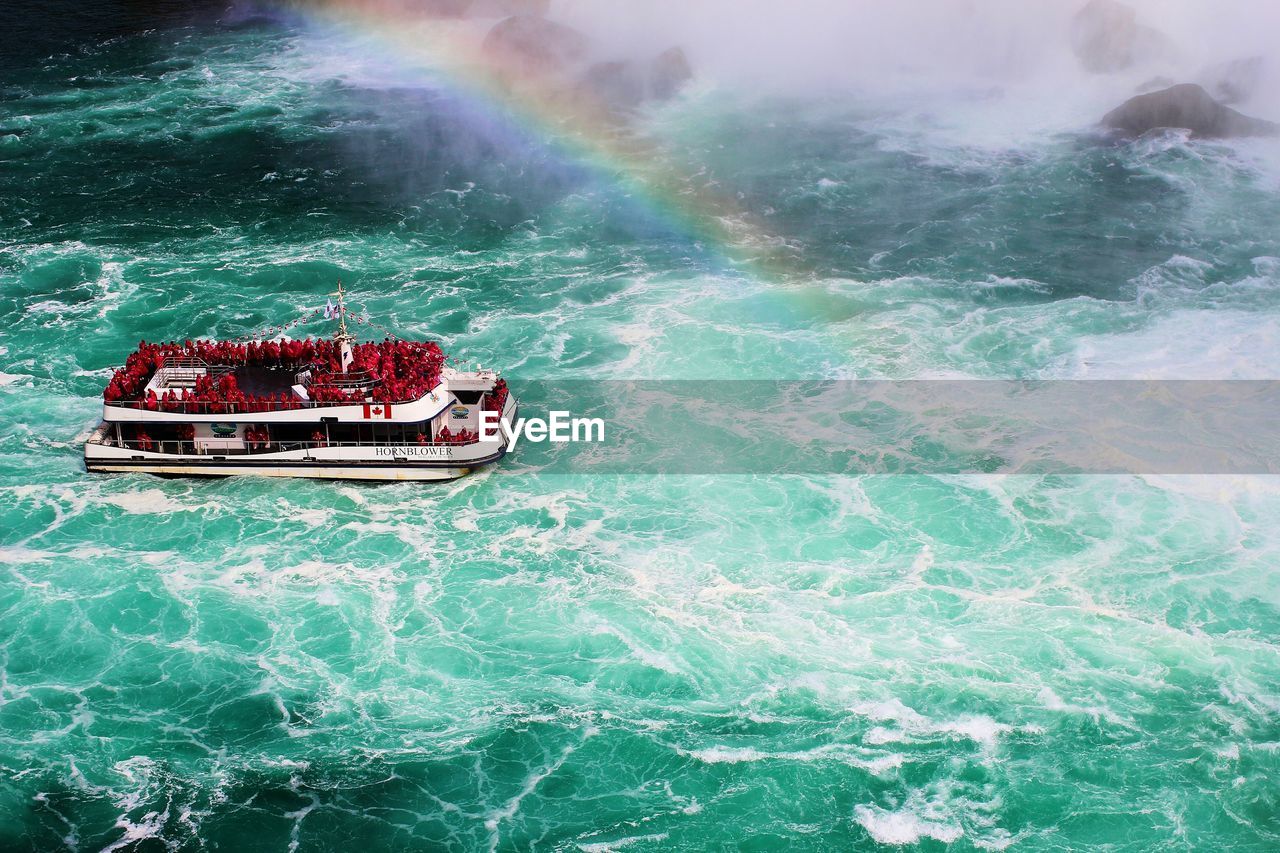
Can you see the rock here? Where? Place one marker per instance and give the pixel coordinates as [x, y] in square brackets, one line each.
[625, 85]
[1185, 105]
[619, 85]
[1235, 81]
[528, 44]
[668, 72]
[1106, 36]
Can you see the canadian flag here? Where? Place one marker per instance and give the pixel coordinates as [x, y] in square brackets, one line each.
[377, 410]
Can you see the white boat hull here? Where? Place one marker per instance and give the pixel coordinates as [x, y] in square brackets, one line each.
[169, 469]
[336, 463]
[423, 463]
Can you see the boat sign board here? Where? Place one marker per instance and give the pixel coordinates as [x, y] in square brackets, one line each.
[410, 451]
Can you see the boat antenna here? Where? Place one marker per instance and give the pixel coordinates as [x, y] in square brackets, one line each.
[342, 336]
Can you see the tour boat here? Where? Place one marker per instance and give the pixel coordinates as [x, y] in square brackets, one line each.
[327, 407]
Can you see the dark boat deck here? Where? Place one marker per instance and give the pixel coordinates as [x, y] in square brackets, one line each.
[257, 380]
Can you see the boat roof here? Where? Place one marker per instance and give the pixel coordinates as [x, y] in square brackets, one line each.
[275, 367]
[272, 373]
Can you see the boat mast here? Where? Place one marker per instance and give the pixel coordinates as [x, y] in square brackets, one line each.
[342, 336]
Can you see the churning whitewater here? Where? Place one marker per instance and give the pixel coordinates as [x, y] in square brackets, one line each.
[521, 660]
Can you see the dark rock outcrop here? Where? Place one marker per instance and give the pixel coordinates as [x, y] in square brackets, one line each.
[617, 85]
[528, 44]
[625, 85]
[527, 49]
[668, 72]
[1185, 105]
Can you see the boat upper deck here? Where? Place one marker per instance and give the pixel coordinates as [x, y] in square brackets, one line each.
[213, 377]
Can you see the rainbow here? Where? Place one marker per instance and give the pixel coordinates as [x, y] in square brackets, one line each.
[582, 128]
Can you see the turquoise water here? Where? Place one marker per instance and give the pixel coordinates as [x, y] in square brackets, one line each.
[528, 661]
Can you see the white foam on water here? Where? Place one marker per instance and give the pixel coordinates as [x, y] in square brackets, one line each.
[114, 288]
[153, 501]
[146, 779]
[981, 730]
[353, 495]
[922, 563]
[309, 516]
[1185, 344]
[466, 521]
[876, 764]
[542, 540]
[651, 657]
[607, 846]
[495, 817]
[641, 340]
[23, 492]
[94, 552]
[19, 555]
[48, 306]
[318, 571]
[903, 827]
[1054, 702]
[150, 826]
[1218, 488]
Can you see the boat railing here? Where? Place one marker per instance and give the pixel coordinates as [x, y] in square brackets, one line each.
[185, 447]
[180, 371]
[350, 379]
[222, 407]
[190, 362]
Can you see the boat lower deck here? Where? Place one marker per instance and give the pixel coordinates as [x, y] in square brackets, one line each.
[400, 473]
[343, 461]
[341, 451]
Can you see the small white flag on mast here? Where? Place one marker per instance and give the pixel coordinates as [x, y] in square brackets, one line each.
[329, 310]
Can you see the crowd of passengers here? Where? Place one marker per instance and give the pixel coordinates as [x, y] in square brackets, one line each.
[496, 400]
[400, 371]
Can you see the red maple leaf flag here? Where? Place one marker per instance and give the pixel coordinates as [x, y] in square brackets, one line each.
[377, 410]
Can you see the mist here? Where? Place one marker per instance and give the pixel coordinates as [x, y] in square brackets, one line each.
[1022, 49]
